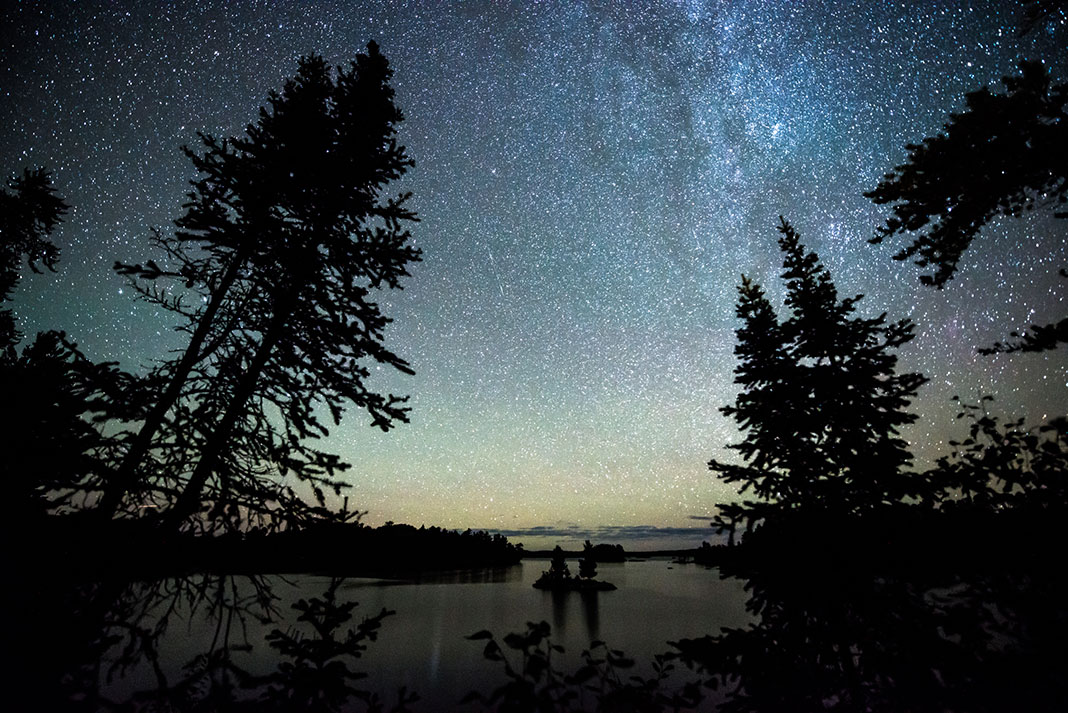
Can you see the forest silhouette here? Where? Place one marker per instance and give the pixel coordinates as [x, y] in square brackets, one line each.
[875, 586]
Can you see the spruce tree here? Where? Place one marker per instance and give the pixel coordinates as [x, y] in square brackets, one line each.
[588, 563]
[28, 215]
[286, 236]
[820, 405]
[558, 569]
[55, 399]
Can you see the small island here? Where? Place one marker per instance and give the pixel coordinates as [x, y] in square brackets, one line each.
[558, 576]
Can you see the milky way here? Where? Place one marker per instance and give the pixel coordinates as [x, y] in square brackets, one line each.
[592, 179]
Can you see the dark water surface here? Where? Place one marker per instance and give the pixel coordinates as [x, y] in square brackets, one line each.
[655, 602]
[422, 647]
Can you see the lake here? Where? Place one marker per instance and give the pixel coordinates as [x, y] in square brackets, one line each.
[422, 647]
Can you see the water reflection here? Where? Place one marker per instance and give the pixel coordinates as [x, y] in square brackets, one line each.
[203, 642]
[587, 603]
[485, 575]
[214, 642]
[559, 600]
[591, 614]
[846, 633]
[88, 645]
[821, 633]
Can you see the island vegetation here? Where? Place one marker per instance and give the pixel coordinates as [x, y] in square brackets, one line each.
[601, 552]
[558, 577]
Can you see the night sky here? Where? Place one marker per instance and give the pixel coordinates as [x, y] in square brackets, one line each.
[592, 178]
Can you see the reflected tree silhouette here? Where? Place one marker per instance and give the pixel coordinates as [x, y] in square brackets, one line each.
[591, 613]
[109, 645]
[846, 629]
[84, 641]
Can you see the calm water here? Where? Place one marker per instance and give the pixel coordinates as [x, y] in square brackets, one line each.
[423, 647]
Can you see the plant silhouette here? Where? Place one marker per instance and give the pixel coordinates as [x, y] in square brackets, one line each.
[285, 236]
[820, 402]
[603, 681]
[57, 401]
[846, 624]
[1006, 466]
[314, 674]
[28, 215]
[1002, 156]
[558, 569]
[55, 397]
[588, 564]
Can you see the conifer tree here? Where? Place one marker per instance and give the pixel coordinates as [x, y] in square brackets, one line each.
[285, 238]
[28, 215]
[820, 405]
[588, 563]
[1003, 156]
[558, 569]
[54, 397]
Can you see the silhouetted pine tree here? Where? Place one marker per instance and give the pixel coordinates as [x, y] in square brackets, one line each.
[56, 402]
[28, 215]
[558, 569]
[820, 403]
[285, 237]
[588, 564]
[54, 397]
[1001, 156]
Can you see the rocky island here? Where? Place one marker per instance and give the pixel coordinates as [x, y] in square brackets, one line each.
[558, 577]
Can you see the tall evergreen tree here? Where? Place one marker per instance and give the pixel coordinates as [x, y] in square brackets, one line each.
[820, 405]
[588, 563]
[285, 237]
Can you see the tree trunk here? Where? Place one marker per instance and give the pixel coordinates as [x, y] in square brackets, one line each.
[142, 442]
[188, 500]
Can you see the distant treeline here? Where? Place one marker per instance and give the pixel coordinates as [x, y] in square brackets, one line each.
[600, 553]
[336, 548]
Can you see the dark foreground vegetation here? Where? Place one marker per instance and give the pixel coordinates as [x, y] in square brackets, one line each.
[844, 619]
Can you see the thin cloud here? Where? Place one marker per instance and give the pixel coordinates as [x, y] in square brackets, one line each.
[614, 533]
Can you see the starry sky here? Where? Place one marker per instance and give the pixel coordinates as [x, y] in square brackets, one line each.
[592, 178]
